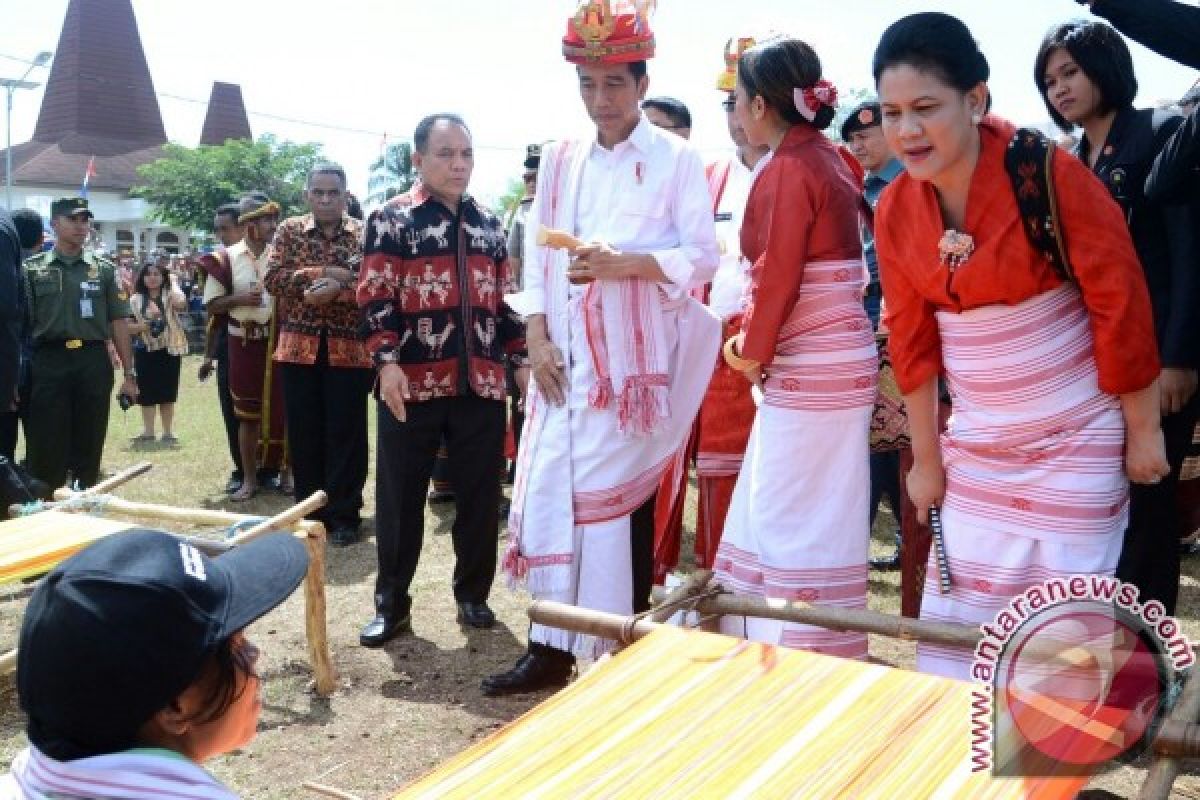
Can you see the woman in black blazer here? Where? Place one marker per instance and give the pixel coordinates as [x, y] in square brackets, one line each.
[1085, 74]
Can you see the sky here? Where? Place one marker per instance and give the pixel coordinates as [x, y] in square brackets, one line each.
[347, 74]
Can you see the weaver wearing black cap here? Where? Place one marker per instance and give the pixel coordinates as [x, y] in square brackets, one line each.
[134, 668]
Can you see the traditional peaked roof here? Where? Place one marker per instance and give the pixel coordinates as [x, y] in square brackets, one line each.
[99, 101]
[226, 118]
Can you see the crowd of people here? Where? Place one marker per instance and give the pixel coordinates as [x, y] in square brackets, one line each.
[1037, 310]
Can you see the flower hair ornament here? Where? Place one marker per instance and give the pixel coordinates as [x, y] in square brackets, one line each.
[809, 101]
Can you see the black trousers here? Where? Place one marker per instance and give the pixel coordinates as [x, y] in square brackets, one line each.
[641, 531]
[9, 422]
[1150, 553]
[473, 428]
[327, 435]
[68, 412]
[885, 480]
[226, 399]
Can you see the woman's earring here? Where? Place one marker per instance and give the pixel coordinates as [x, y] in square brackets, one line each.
[977, 118]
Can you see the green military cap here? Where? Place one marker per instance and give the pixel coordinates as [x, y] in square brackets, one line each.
[69, 206]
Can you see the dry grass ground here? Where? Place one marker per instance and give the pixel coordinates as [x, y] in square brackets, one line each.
[403, 709]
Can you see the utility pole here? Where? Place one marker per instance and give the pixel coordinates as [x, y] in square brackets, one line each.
[10, 85]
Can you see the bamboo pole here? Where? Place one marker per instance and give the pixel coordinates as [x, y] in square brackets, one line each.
[328, 791]
[285, 519]
[625, 630]
[670, 603]
[841, 619]
[120, 479]
[315, 628]
[184, 516]
[1164, 769]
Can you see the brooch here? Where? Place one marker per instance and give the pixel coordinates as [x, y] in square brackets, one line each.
[955, 248]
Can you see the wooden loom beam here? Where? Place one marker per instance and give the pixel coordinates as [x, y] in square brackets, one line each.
[312, 532]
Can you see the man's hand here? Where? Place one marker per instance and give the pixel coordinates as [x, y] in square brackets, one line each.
[597, 262]
[549, 370]
[1176, 387]
[339, 274]
[129, 386]
[251, 298]
[521, 377]
[322, 292]
[393, 389]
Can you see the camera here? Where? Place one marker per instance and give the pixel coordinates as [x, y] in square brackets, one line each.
[157, 326]
[125, 401]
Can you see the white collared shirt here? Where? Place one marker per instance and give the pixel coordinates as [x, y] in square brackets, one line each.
[648, 194]
[248, 273]
[733, 274]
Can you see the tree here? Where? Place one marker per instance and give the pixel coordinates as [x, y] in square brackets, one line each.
[392, 173]
[508, 202]
[188, 183]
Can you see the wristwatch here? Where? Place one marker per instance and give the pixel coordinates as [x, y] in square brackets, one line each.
[131, 373]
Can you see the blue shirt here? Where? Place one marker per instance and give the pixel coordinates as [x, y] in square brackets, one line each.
[873, 185]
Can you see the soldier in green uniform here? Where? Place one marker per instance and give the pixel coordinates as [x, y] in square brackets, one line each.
[75, 303]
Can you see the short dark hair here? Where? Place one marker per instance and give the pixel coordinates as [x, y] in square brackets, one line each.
[638, 69]
[229, 210]
[774, 69]
[29, 227]
[675, 110]
[425, 127]
[936, 43]
[1102, 55]
[326, 168]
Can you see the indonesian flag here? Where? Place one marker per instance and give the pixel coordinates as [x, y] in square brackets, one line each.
[88, 174]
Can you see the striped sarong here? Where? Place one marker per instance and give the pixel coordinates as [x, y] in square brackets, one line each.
[1034, 455]
[797, 527]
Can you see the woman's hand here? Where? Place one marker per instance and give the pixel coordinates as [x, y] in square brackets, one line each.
[926, 486]
[1146, 455]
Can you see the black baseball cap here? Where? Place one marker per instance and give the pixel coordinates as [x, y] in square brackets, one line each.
[120, 629]
[69, 207]
[862, 116]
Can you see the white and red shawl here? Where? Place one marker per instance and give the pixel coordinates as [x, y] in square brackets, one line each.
[641, 344]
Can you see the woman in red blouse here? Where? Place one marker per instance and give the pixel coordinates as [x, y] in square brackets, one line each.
[1053, 384]
[797, 526]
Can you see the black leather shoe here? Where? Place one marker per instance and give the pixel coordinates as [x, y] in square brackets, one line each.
[477, 615]
[234, 483]
[382, 630]
[535, 670]
[343, 537]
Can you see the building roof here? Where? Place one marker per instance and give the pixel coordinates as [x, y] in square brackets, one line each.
[99, 101]
[226, 117]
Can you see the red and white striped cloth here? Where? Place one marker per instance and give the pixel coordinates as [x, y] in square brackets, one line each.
[797, 527]
[1034, 455]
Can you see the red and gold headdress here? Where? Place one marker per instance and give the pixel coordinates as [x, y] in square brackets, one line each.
[610, 32]
[727, 80]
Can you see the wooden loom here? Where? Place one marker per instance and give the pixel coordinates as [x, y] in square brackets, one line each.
[683, 713]
[34, 544]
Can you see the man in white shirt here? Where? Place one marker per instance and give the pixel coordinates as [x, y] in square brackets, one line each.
[613, 338]
[723, 425]
[253, 381]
